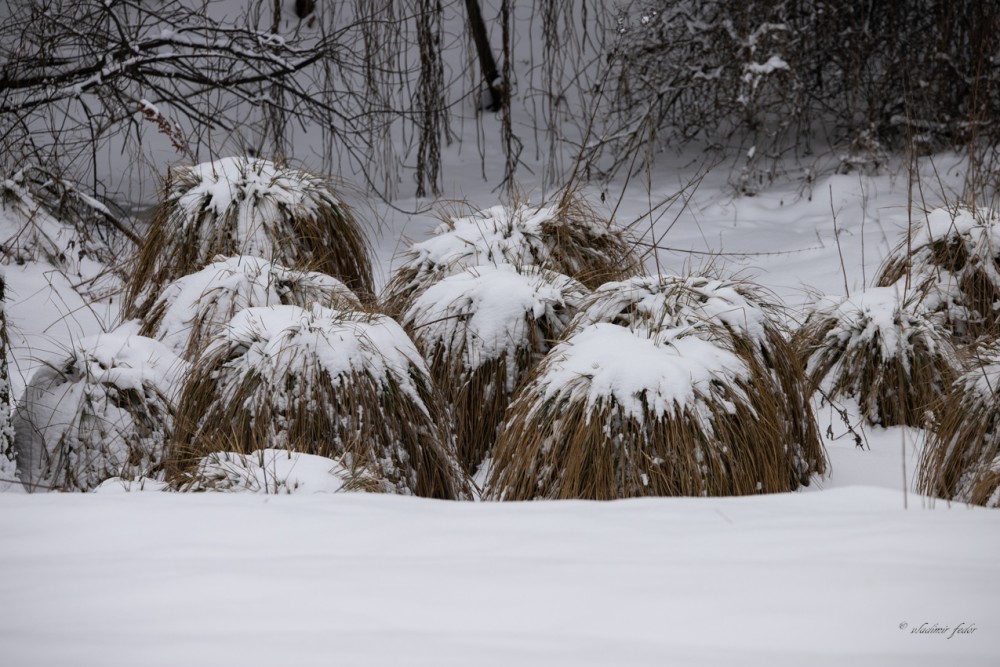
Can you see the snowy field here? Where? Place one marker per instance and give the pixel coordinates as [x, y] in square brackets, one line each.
[856, 569]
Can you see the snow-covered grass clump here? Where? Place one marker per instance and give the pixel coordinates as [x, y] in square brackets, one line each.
[961, 460]
[750, 321]
[192, 309]
[882, 348]
[566, 235]
[277, 471]
[104, 410]
[247, 206]
[482, 330]
[346, 386]
[661, 390]
[953, 258]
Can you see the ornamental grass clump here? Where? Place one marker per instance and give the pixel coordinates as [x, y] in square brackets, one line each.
[883, 349]
[752, 319]
[482, 330]
[191, 310]
[961, 460]
[953, 258]
[566, 235]
[347, 386]
[105, 410]
[665, 386]
[248, 206]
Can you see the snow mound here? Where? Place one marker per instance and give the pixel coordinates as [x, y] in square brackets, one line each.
[104, 410]
[276, 471]
[664, 373]
[193, 308]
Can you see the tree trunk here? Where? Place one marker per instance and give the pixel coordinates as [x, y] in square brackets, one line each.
[486, 60]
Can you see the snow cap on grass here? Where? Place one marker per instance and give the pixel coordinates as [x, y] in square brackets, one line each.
[961, 460]
[670, 301]
[104, 410]
[320, 382]
[883, 349]
[192, 309]
[953, 258]
[246, 206]
[565, 235]
[615, 412]
[482, 330]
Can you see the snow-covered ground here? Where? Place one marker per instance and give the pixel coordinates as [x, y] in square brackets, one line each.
[834, 578]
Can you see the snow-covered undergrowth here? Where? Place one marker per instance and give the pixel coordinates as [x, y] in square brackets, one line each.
[30, 233]
[245, 206]
[318, 381]
[482, 330]
[953, 257]
[962, 457]
[105, 409]
[884, 349]
[566, 235]
[192, 309]
[277, 471]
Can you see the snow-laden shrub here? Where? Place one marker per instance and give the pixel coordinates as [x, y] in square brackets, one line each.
[953, 257]
[192, 309]
[104, 410]
[8, 470]
[346, 386]
[883, 349]
[566, 235]
[481, 331]
[961, 460]
[31, 233]
[752, 323]
[247, 206]
[615, 412]
[277, 471]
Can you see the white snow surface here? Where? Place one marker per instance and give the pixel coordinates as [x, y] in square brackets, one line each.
[842, 577]
[223, 186]
[680, 301]
[275, 339]
[486, 310]
[224, 287]
[883, 315]
[642, 371]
